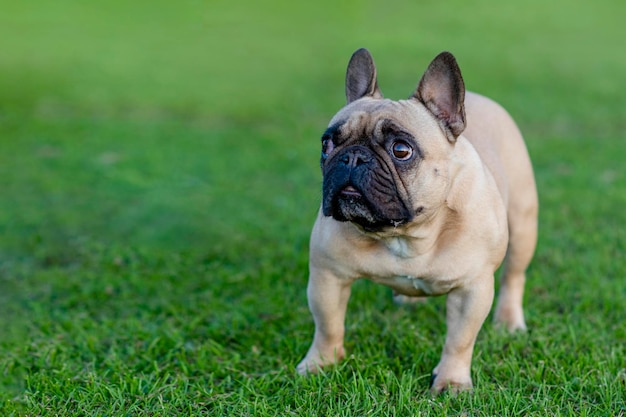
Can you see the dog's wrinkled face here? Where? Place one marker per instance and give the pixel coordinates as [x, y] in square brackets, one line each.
[363, 177]
[383, 161]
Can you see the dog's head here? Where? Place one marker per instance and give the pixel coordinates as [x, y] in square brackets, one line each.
[386, 163]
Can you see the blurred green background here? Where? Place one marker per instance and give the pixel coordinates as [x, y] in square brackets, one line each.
[184, 124]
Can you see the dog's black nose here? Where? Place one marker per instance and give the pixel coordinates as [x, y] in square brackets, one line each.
[355, 157]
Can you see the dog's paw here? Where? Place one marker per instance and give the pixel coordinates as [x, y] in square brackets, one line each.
[314, 361]
[305, 367]
[451, 376]
[509, 317]
[439, 385]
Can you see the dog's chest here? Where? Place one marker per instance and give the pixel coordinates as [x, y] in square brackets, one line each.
[398, 247]
[399, 274]
[417, 283]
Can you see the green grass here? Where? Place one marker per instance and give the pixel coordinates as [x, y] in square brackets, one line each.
[159, 177]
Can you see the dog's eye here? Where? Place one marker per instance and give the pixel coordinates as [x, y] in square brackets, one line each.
[327, 147]
[402, 151]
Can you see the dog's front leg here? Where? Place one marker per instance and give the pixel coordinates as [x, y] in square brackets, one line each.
[328, 300]
[467, 307]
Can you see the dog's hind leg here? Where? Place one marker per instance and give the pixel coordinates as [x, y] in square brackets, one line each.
[522, 241]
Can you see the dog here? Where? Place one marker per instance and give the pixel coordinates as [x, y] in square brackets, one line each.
[429, 196]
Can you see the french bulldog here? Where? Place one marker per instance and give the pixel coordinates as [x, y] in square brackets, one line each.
[428, 196]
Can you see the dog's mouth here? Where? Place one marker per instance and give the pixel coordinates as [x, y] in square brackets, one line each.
[350, 191]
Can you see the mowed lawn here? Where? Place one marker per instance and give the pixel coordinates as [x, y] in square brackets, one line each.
[159, 176]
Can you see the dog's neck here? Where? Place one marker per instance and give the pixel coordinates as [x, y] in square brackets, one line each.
[410, 240]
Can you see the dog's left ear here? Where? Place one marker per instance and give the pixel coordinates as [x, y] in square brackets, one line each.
[442, 91]
[361, 77]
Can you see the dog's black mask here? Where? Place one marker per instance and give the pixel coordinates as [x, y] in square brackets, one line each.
[359, 187]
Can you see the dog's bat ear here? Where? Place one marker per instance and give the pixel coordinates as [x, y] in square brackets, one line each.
[361, 77]
[442, 91]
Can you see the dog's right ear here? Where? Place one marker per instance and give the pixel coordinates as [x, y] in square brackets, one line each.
[442, 91]
[361, 77]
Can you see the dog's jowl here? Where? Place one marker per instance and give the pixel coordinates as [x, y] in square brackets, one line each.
[428, 196]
